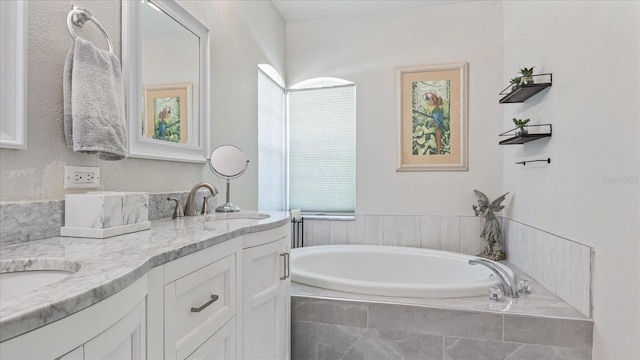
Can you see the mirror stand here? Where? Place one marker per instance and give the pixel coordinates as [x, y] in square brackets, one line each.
[223, 171]
[228, 206]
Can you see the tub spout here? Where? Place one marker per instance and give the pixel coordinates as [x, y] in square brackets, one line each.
[507, 283]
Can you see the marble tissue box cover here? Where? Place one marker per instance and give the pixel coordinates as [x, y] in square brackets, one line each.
[105, 214]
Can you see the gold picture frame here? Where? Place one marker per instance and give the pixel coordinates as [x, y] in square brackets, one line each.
[432, 117]
[168, 113]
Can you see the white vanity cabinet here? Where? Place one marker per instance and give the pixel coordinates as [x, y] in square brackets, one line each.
[122, 341]
[114, 328]
[199, 295]
[228, 301]
[266, 284]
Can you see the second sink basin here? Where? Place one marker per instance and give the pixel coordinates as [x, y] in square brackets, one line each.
[20, 276]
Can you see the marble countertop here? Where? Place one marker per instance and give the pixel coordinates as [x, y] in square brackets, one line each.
[541, 302]
[110, 265]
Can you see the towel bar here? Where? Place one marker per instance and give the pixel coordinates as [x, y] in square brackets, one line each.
[78, 17]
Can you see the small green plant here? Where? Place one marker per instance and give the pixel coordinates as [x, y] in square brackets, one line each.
[520, 123]
[516, 80]
[527, 72]
[527, 75]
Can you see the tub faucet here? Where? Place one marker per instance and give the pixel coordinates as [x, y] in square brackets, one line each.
[507, 283]
[190, 206]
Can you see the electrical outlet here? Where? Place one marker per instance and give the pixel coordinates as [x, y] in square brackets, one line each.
[81, 177]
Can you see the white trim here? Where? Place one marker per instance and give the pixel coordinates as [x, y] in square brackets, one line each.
[140, 147]
[13, 72]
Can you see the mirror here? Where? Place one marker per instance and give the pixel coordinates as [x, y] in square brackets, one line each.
[13, 74]
[228, 162]
[166, 71]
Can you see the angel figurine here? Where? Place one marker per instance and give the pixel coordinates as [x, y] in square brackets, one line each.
[491, 231]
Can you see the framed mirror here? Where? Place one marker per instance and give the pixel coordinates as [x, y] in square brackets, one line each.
[13, 74]
[165, 55]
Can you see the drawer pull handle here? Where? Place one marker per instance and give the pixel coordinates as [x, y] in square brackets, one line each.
[214, 298]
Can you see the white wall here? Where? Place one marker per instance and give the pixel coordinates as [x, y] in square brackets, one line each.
[367, 50]
[243, 35]
[590, 191]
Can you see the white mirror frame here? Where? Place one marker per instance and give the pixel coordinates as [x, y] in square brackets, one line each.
[139, 146]
[13, 75]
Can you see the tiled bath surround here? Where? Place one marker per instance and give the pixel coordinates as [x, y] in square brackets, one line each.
[335, 329]
[35, 220]
[452, 233]
[561, 265]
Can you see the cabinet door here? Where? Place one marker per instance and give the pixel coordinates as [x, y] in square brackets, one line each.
[101, 331]
[265, 287]
[221, 346]
[124, 340]
[197, 305]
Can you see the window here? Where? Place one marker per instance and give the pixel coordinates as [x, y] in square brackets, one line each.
[271, 140]
[322, 146]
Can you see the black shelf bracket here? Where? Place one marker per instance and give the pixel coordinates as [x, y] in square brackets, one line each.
[517, 139]
[520, 93]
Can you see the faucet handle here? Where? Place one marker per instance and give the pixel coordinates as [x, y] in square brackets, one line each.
[205, 205]
[178, 214]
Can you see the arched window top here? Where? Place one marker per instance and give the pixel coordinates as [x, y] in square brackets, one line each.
[271, 72]
[320, 82]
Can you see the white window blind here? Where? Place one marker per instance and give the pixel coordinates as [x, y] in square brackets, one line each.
[322, 149]
[271, 144]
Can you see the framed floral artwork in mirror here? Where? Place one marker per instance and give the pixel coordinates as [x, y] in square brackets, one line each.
[168, 113]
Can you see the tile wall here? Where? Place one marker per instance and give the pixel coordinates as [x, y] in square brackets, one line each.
[35, 220]
[561, 265]
[452, 233]
[335, 329]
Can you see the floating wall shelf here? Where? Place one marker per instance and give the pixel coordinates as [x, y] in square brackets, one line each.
[524, 91]
[516, 139]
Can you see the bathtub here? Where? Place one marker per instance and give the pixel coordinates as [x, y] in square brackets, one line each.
[391, 271]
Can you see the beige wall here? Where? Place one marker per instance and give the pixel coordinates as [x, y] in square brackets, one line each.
[243, 35]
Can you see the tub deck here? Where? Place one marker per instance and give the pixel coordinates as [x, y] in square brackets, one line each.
[541, 302]
[328, 324]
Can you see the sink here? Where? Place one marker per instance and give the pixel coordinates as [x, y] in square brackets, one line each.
[20, 276]
[238, 216]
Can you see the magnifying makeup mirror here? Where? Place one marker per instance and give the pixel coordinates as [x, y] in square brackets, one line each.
[228, 162]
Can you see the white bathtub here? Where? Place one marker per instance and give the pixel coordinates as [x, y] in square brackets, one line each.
[391, 271]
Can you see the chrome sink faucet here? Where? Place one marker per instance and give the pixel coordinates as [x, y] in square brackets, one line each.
[190, 206]
[507, 283]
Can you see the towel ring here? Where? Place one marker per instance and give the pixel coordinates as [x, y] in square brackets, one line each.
[78, 17]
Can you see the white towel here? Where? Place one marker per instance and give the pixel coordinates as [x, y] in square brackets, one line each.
[94, 119]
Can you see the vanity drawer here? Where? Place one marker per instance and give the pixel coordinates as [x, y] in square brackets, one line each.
[197, 305]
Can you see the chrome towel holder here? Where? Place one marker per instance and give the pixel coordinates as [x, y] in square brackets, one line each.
[78, 17]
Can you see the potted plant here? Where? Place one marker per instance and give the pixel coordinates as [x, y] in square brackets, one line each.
[521, 126]
[527, 75]
[515, 83]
